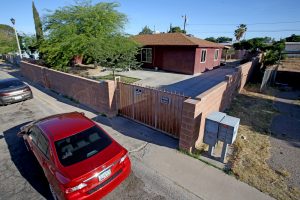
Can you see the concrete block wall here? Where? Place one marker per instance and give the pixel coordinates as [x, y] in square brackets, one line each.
[13, 59]
[100, 96]
[217, 98]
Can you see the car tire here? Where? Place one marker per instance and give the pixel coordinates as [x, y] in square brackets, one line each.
[54, 196]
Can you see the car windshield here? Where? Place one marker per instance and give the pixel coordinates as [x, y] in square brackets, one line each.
[10, 84]
[81, 146]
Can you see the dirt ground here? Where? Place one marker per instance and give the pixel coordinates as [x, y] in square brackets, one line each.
[290, 64]
[266, 152]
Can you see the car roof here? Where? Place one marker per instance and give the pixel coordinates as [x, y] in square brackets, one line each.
[60, 126]
[8, 80]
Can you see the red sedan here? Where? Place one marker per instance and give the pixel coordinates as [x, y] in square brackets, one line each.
[79, 159]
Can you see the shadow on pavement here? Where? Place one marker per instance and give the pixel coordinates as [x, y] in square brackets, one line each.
[14, 71]
[286, 125]
[135, 130]
[194, 86]
[120, 124]
[25, 161]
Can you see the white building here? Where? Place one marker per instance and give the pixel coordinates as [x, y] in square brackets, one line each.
[292, 49]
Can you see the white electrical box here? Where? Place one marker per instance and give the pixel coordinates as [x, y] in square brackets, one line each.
[212, 127]
[228, 129]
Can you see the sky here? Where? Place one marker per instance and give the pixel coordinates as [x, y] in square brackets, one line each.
[273, 18]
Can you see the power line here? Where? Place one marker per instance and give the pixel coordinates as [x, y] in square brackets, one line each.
[259, 23]
[254, 31]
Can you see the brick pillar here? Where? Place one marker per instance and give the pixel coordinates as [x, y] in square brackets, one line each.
[111, 99]
[190, 125]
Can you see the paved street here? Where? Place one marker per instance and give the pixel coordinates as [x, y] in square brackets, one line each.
[285, 129]
[159, 171]
[22, 178]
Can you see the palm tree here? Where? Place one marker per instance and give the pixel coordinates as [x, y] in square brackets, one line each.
[240, 31]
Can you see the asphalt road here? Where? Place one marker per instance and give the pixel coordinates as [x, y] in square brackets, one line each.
[21, 176]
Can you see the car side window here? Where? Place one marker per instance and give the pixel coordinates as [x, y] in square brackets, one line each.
[33, 134]
[40, 140]
[43, 144]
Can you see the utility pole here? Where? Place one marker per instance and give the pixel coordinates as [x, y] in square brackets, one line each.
[184, 22]
[13, 21]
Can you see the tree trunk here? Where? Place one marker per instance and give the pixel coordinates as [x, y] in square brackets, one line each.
[113, 71]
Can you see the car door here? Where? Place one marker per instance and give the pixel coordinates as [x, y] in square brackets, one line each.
[46, 160]
[41, 149]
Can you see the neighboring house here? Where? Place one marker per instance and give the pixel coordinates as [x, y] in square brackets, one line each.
[292, 49]
[178, 52]
[228, 51]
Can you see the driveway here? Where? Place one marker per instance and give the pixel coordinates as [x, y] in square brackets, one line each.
[159, 170]
[189, 85]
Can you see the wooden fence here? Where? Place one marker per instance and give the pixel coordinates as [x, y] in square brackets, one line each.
[159, 109]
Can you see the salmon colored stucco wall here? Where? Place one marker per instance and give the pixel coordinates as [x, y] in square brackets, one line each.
[173, 58]
[210, 63]
[182, 59]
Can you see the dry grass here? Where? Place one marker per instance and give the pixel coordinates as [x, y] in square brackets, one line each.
[249, 161]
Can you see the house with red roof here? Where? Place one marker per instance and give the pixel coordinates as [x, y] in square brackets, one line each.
[177, 52]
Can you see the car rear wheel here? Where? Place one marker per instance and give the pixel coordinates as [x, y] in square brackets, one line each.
[54, 196]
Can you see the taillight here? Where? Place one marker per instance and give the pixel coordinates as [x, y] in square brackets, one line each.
[26, 89]
[73, 189]
[4, 94]
[123, 158]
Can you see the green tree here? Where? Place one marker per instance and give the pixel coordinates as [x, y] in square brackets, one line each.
[28, 43]
[272, 49]
[8, 43]
[211, 39]
[293, 38]
[240, 31]
[146, 30]
[176, 29]
[223, 39]
[273, 53]
[120, 53]
[84, 29]
[37, 23]
[254, 44]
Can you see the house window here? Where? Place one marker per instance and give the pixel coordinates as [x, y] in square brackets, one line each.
[203, 55]
[146, 55]
[216, 56]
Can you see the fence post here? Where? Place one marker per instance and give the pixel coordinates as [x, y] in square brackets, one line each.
[133, 100]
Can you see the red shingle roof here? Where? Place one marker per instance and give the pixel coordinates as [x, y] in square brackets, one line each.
[173, 39]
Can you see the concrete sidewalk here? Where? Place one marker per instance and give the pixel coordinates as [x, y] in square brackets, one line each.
[202, 180]
[158, 152]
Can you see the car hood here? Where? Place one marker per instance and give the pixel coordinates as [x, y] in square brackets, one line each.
[87, 168]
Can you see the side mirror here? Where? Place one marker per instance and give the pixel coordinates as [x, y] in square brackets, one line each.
[24, 130]
[21, 133]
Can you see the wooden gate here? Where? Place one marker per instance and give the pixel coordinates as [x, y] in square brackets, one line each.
[161, 110]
